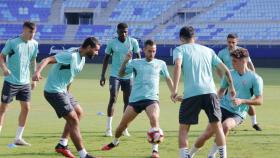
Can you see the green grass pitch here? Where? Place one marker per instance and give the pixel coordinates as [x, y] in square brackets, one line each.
[43, 129]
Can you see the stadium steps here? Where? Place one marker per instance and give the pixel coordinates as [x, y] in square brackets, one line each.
[217, 2]
[71, 31]
[169, 13]
[57, 11]
[158, 29]
[102, 18]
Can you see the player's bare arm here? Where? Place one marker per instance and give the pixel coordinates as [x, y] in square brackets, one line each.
[33, 69]
[104, 68]
[122, 69]
[176, 78]
[222, 67]
[256, 101]
[3, 65]
[37, 75]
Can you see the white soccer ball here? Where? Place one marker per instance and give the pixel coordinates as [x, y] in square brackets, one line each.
[155, 137]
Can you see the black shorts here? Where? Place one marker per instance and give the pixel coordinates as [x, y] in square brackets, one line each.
[21, 92]
[227, 114]
[63, 103]
[191, 107]
[115, 84]
[139, 106]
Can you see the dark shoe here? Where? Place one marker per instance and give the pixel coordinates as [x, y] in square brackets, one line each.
[90, 156]
[257, 127]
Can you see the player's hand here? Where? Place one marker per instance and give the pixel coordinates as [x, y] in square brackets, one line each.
[128, 57]
[6, 72]
[237, 101]
[33, 85]
[173, 97]
[36, 77]
[179, 98]
[102, 81]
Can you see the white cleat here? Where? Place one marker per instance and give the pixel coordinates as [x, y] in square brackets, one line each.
[126, 133]
[21, 142]
[108, 133]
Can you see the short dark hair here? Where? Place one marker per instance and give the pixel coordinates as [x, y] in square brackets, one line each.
[149, 42]
[232, 35]
[187, 32]
[122, 26]
[240, 53]
[30, 25]
[90, 41]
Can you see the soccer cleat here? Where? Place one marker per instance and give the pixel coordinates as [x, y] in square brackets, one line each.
[64, 150]
[90, 156]
[126, 133]
[21, 142]
[108, 133]
[108, 147]
[155, 154]
[257, 127]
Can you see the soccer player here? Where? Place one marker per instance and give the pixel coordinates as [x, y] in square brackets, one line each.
[66, 66]
[18, 55]
[247, 83]
[145, 91]
[196, 62]
[118, 48]
[224, 55]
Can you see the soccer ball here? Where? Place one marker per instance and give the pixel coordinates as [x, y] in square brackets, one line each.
[155, 137]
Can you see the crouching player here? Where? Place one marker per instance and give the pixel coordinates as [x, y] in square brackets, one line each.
[144, 95]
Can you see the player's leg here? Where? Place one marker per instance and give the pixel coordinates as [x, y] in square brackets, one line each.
[188, 115]
[3, 109]
[72, 121]
[8, 92]
[183, 141]
[200, 141]
[62, 146]
[63, 108]
[79, 111]
[213, 111]
[253, 115]
[114, 85]
[127, 117]
[24, 96]
[153, 111]
[126, 85]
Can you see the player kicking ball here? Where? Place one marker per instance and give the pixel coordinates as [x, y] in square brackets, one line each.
[66, 65]
[144, 95]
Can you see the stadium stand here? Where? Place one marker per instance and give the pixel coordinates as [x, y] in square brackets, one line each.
[239, 10]
[44, 32]
[198, 4]
[35, 10]
[86, 3]
[253, 20]
[206, 32]
[139, 11]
